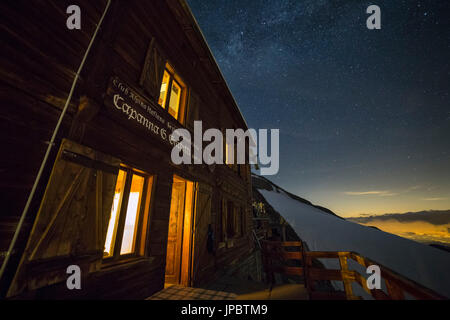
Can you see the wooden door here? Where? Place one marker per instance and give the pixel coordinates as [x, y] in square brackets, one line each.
[201, 258]
[70, 226]
[175, 233]
[186, 254]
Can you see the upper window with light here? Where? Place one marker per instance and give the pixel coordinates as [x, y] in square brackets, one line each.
[172, 95]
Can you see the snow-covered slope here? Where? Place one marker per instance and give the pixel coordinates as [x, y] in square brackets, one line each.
[324, 232]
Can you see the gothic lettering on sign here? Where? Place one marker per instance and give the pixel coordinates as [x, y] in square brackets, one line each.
[138, 112]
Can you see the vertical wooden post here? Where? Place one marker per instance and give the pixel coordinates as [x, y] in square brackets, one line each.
[306, 264]
[346, 279]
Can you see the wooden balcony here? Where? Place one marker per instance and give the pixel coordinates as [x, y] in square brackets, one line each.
[291, 258]
[305, 279]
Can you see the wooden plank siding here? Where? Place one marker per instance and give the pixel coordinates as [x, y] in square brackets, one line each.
[39, 59]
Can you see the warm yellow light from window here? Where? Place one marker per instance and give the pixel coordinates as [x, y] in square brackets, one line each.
[228, 156]
[163, 92]
[174, 102]
[132, 215]
[113, 220]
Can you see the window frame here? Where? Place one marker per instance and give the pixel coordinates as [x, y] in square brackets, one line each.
[182, 106]
[144, 209]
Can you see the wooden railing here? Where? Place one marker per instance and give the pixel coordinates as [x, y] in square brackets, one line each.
[276, 259]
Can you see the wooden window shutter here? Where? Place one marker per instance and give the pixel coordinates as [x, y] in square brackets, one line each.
[236, 220]
[201, 256]
[193, 109]
[70, 226]
[153, 70]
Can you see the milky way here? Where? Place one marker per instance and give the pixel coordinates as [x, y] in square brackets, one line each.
[358, 110]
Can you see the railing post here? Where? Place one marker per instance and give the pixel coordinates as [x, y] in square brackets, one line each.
[267, 262]
[306, 264]
[346, 278]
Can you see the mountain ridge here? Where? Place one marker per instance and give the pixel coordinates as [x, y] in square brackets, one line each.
[437, 217]
[321, 231]
[260, 182]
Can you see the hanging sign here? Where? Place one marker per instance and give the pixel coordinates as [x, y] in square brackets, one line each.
[138, 112]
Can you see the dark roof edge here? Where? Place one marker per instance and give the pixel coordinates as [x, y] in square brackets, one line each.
[204, 43]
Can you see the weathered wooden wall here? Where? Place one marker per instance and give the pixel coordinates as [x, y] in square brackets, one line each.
[39, 59]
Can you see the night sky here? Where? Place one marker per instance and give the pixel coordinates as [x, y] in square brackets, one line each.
[364, 115]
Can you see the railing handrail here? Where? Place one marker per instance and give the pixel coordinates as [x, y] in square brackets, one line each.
[396, 284]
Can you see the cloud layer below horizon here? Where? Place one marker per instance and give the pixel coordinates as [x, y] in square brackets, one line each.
[424, 226]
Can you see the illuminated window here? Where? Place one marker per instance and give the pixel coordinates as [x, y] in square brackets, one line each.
[113, 220]
[164, 89]
[173, 94]
[132, 215]
[231, 152]
[229, 155]
[129, 214]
